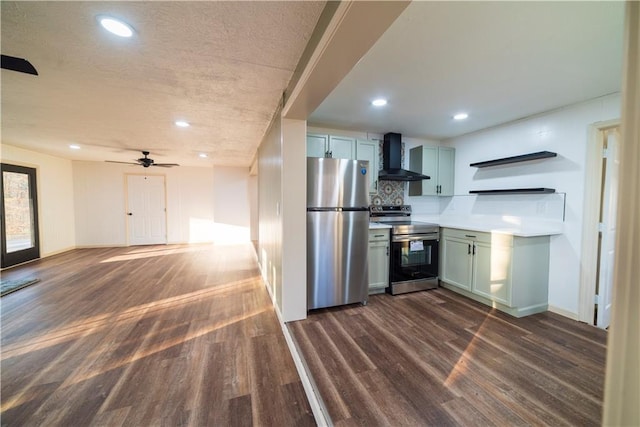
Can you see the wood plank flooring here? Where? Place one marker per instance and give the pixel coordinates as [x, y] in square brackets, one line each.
[178, 335]
[436, 358]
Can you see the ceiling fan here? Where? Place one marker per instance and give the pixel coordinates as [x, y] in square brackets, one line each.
[146, 162]
[17, 64]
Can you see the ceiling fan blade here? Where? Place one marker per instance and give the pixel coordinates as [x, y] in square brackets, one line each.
[124, 163]
[18, 64]
[165, 165]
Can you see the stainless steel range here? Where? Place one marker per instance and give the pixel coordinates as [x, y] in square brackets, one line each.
[414, 249]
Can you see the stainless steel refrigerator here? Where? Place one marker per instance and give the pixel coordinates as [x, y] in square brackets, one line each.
[337, 232]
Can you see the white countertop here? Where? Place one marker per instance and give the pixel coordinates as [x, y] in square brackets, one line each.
[377, 225]
[521, 227]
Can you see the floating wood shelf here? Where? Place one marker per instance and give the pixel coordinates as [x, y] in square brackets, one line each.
[515, 191]
[514, 159]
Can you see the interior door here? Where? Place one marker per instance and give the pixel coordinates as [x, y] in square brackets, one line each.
[608, 228]
[19, 225]
[146, 210]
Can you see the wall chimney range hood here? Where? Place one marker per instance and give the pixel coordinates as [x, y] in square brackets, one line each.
[392, 161]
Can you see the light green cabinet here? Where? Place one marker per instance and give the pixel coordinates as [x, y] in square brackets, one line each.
[317, 145]
[457, 262]
[508, 272]
[341, 147]
[337, 147]
[369, 150]
[492, 271]
[436, 162]
[379, 245]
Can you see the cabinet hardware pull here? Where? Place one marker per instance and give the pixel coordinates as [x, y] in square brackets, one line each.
[468, 249]
[469, 235]
[378, 235]
[387, 250]
[474, 249]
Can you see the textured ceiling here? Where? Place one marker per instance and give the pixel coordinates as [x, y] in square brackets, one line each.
[498, 61]
[222, 66]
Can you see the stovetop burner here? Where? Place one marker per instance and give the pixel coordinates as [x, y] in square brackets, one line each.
[399, 217]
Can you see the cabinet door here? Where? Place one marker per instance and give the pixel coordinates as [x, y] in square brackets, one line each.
[368, 150]
[342, 148]
[492, 272]
[456, 262]
[378, 265]
[424, 159]
[446, 168]
[317, 145]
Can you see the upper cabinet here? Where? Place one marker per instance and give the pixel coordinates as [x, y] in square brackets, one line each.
[436, 162]
[368, 150]
[341, 147]
[317, 145]
[337, 147]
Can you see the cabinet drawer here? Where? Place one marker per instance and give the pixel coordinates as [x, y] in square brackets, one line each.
[467, 234]
[497, 239]
[379, 235]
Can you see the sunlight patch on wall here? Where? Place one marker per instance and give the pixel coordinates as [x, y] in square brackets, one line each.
[201, 230]
[206, 230]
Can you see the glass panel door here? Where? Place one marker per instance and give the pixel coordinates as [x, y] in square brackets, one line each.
[19, 215]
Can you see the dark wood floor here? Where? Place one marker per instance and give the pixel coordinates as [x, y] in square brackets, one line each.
[436, 358]
[157, 335]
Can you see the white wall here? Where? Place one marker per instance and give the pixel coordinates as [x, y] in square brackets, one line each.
[231, 204]
[55, 197]
[203, 204]
[269, 205]
[253, 207]
[564, 132]
[100, 206]
[282, 244]
[294, 220]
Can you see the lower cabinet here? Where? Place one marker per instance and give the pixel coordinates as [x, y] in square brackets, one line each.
[378, 260]
[507, 272]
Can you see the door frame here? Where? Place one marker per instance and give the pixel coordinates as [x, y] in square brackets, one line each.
[34, 253]
[126, 204]
[591, 218]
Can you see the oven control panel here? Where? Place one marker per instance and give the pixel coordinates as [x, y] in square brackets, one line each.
[390, 208]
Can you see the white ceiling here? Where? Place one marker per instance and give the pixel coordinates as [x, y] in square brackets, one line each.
[498, 61]
[222, 66]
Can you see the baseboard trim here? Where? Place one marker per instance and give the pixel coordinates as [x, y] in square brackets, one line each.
[100, 246]
[315, 401]
[562, 312]
[42, 256]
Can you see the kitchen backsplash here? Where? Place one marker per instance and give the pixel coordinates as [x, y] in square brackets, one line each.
[389, 192]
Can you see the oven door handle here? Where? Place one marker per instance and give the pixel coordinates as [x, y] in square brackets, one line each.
[414, 237]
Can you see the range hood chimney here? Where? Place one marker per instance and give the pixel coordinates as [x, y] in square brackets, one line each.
[392, 161]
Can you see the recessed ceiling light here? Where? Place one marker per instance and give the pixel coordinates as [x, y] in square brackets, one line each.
[182, 124]
[380, 102]
[460, 116]
[74, 146]
[203, 155]
[115, 26]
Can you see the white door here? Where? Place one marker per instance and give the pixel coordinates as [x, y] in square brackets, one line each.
[146, 210]
[608, 228]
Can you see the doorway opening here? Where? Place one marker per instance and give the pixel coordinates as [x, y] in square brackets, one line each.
[19, 225]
